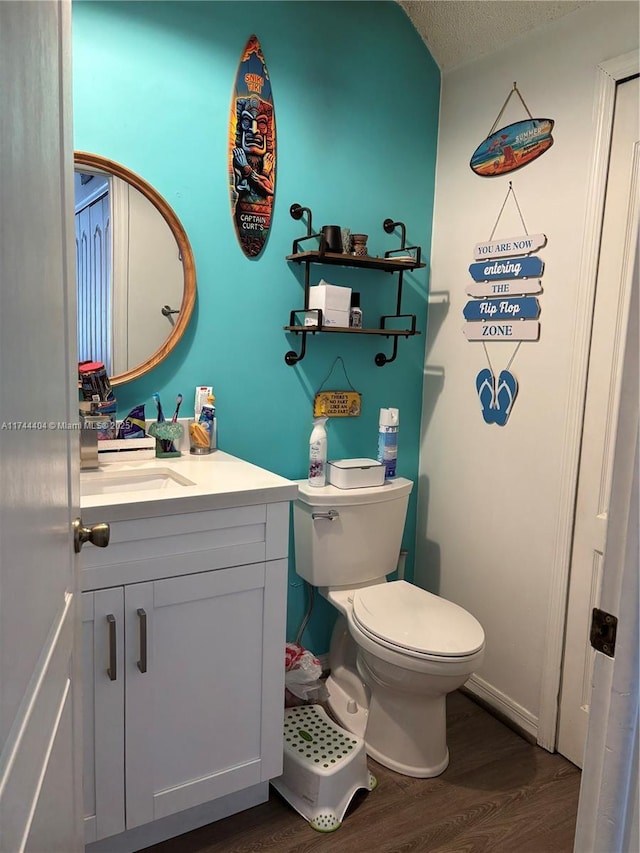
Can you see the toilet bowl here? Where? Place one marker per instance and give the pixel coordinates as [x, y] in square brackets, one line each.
[396, 650]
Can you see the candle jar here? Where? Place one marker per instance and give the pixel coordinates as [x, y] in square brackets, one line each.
[359, 244]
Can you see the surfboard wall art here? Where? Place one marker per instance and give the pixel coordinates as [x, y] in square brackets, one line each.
[512, 147]
[252, 151]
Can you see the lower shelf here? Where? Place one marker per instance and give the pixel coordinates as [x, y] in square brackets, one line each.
[407, 333]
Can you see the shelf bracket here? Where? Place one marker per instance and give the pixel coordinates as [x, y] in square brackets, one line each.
[293, 357]
[381, 359]
[297, 211]
[389, 225]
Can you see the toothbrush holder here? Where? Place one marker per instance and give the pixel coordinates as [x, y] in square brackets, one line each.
[166, 433]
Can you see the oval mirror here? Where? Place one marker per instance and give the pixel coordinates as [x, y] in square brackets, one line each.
[136, 283]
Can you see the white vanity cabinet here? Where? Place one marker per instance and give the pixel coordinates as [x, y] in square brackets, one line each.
[184, 634]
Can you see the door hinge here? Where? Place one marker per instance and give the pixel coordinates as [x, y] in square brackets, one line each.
[603, 632]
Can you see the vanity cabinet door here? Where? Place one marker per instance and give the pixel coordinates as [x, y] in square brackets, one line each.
[103, 712]
[205, 686]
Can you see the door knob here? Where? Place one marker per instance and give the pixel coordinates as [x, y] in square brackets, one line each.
[97, 534]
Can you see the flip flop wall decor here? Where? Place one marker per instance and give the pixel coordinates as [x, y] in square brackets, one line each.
[496, 399]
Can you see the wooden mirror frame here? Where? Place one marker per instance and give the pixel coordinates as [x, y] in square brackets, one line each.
[103, 164]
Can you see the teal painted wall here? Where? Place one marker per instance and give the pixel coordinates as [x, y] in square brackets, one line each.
[356, 97]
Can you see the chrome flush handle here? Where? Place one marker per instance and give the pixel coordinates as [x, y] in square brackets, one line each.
[330, 514]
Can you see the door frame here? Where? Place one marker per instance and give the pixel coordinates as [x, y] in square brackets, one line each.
[608, 75]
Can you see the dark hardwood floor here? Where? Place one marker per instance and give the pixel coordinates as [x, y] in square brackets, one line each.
[499, 794]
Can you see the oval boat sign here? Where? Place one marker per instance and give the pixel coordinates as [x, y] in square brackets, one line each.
[252, 151]
[512, 147]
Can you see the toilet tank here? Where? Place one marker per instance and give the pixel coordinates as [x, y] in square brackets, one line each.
[360, 543]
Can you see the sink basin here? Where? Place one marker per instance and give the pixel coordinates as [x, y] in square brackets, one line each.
[111, 482]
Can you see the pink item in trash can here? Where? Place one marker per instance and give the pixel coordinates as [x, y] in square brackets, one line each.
[302, 677]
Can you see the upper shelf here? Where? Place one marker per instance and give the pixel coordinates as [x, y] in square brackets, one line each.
[388, 264]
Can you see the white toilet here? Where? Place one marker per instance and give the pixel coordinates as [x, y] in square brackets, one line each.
[396, 650]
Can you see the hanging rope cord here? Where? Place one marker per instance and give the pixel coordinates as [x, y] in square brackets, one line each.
[504, 106]
[337, 359]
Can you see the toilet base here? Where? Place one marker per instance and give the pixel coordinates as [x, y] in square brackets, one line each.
[406, 731]
[407, 769]
[340, 702]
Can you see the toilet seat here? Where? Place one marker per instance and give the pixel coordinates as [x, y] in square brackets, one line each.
[407, 619]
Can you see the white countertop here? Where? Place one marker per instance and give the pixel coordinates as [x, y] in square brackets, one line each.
[217, 481]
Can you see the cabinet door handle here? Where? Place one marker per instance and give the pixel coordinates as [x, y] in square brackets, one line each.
[142, 616]
[112, 671]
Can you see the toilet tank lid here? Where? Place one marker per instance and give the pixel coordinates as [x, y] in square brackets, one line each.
[412, 618]
[392, 489]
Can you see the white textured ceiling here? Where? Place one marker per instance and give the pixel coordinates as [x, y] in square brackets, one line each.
[460, 31]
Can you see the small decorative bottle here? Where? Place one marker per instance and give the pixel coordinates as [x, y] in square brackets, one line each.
[318, 453]
[355, 313]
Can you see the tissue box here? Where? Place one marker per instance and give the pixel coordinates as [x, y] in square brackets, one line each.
[355, 473]
[334, 302]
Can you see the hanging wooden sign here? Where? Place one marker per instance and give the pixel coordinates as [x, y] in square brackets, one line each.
[252, 151]
[509, 246]
[337, 404]
[522, 308]
[505, 273]
[504, 288]
[520, 330]
[512, 147]
[521, 267]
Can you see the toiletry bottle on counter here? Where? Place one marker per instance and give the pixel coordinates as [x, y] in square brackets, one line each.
[355, 313]
[318, 453]
[388, 440]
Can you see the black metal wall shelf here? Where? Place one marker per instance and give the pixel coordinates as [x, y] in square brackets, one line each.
[410, 259]
[387, 263]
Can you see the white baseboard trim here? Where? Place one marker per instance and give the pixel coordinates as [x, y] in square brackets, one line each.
[521, 719]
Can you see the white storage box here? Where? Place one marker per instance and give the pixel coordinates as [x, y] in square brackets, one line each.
[334, 301]
[355, 473]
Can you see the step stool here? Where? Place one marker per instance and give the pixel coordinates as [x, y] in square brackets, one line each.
[324, 765]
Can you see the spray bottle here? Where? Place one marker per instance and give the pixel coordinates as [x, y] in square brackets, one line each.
[388, 440]
[318, 453]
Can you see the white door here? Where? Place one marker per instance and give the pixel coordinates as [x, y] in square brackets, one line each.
[608, 811]
[40, 770]
[610, 322]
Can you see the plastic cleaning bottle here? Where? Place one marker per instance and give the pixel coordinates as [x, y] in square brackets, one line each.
[388, 440]
[318, 453]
